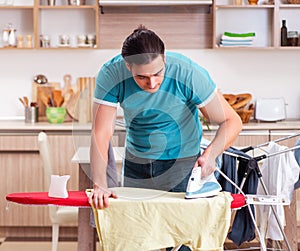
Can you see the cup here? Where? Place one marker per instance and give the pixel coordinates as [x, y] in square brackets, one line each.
[91, 39]
[31, 114]
[51, 2]
[81, 39]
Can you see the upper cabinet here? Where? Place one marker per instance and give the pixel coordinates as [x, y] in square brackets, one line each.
[182, 24]
[49, 24]
[261, 21]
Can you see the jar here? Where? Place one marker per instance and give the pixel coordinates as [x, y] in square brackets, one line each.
[20, 41]
[45, 41]
[292, 37]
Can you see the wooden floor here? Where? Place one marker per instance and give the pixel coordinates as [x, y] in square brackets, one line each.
[17, 245]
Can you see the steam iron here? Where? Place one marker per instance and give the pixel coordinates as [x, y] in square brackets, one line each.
[200, 188]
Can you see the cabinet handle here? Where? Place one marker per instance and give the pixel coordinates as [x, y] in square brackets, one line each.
[19, 151]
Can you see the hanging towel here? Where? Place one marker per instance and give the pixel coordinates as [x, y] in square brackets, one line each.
[297, 151]
[280, 172]
[297, 156]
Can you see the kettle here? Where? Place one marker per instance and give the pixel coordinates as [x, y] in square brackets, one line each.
[270, 109]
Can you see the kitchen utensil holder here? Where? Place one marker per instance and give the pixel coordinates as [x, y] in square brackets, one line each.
[31, 114]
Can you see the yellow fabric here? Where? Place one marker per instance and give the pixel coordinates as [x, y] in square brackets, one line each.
[143, 219]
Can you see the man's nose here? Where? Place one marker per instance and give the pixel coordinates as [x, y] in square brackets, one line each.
[152, 82]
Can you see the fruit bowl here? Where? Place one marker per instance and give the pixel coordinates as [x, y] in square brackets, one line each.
[56, 115]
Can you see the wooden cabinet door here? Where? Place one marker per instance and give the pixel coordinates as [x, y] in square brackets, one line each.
[21, 171]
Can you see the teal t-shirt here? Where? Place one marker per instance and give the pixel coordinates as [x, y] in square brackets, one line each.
[162, 125]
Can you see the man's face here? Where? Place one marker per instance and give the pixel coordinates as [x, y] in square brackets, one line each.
[149, 76]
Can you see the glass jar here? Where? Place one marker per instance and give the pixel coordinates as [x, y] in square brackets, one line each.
[292, 37]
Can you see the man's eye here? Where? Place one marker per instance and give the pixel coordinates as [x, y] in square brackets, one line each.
[140, 77]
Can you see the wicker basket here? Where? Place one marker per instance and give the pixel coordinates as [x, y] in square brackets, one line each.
[245, 115]
[293, 1]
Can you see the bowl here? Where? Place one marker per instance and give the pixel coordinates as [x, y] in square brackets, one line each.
[56, 115]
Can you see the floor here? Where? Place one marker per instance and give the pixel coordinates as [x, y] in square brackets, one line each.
[36, 246]
[72, 245]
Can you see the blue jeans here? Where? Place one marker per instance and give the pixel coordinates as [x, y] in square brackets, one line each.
[168, 175]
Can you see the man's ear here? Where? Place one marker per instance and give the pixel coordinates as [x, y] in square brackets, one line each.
[128, 67]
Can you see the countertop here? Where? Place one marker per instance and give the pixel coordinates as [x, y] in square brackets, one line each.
[19, 125]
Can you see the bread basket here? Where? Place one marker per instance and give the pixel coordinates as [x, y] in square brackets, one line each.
[245, 115]
[293, 1]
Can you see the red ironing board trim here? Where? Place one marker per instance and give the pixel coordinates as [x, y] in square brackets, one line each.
[76, 199]
[79, 199]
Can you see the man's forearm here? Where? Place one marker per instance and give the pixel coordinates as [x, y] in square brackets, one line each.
[98, 160]
[225, 136]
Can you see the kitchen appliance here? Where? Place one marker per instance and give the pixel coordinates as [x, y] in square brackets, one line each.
[270, 109]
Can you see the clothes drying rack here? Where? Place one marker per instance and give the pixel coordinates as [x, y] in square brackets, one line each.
[253, 166]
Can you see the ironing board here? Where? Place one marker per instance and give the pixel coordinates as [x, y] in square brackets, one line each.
[80, 199]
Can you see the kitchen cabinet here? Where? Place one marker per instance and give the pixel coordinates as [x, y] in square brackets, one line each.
[22, 171]
[264, 19]
[246, 137]
[47, 26]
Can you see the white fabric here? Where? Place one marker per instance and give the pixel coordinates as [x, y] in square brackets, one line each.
[279, 173]
[58, 186]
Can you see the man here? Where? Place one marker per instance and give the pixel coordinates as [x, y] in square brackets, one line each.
[160, 93]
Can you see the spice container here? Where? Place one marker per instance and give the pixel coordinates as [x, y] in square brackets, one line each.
[292, 37]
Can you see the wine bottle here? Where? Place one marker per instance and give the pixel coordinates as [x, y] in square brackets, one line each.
[284, 34]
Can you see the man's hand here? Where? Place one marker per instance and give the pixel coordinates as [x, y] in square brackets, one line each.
[207, 163]
[99, 197]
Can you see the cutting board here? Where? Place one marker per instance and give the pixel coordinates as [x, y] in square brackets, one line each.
[46, 89]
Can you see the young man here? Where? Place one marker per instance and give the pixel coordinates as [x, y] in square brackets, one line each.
[160, 93]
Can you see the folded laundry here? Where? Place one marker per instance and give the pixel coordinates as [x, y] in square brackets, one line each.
[237, 39]
[236, 43]
[231, 34]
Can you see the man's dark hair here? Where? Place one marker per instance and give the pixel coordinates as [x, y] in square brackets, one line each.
[142, 46]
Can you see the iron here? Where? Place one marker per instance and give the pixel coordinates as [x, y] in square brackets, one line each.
[201, 187]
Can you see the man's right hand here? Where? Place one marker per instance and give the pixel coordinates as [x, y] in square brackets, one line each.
[99, 197]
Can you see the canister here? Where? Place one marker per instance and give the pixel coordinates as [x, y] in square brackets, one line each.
[31, 114]
[292, 37]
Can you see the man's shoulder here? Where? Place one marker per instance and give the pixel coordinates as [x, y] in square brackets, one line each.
[117, 59]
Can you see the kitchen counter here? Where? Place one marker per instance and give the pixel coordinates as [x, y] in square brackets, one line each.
[18, 125]
[279, 125]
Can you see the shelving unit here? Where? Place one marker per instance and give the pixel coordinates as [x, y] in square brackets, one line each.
[263, 19]
[195, 24]
[61, 19]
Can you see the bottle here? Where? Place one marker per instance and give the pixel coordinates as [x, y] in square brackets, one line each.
[284, 33]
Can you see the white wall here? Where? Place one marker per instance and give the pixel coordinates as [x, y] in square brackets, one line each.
[264, 73]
